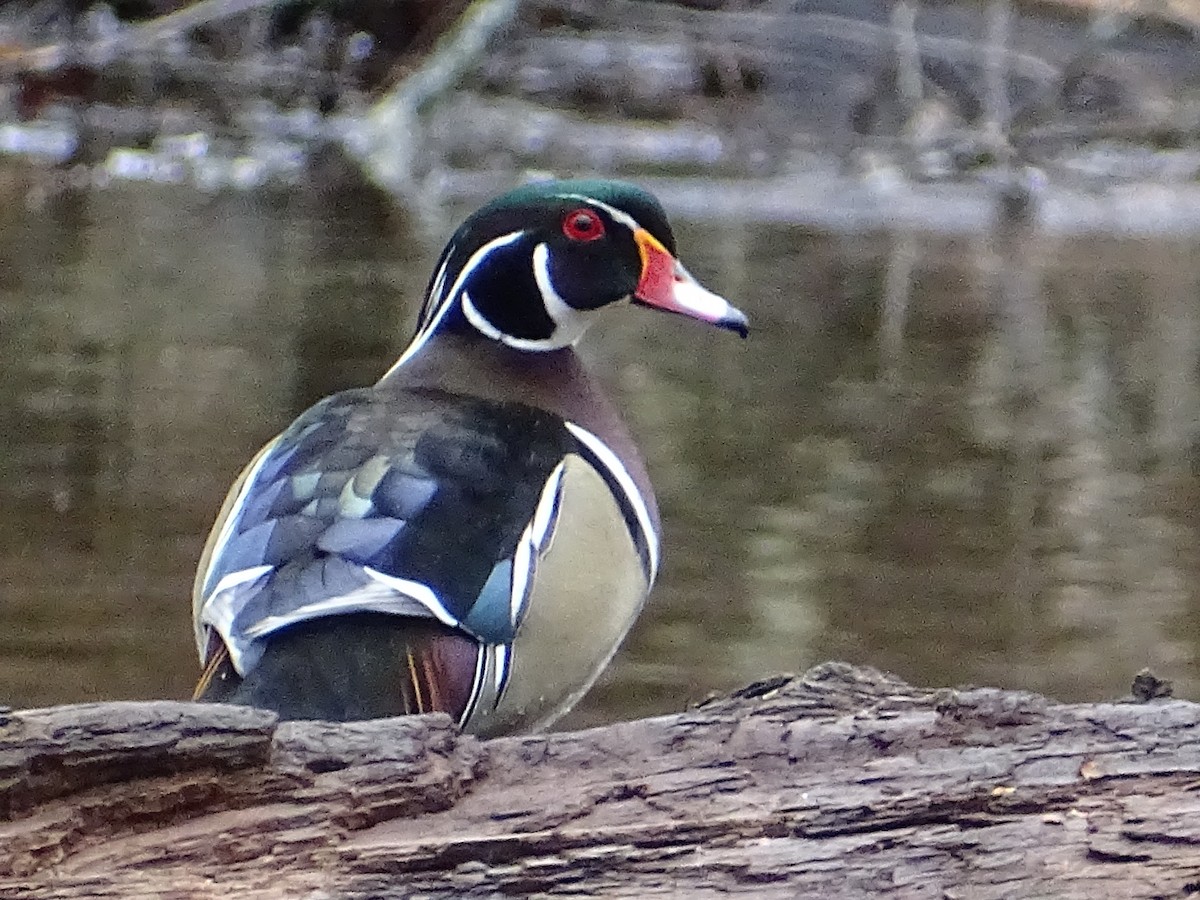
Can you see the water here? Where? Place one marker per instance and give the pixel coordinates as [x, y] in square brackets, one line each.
[896, 468]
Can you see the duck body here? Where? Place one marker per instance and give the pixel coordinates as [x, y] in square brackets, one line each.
[476, 533]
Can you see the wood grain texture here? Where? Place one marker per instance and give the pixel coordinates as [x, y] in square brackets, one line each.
[841, 783]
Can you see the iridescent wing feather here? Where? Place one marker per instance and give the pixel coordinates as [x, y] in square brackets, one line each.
[419, 503]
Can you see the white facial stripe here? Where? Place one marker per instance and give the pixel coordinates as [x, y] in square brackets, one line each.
[535, 345]
[570, 323]
[477, 258]
[557, 308]
[435, 290]
[447, 301]
[618, 215]
[475, 317]
[632, 495]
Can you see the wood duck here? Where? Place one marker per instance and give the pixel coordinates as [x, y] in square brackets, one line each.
[476, 533]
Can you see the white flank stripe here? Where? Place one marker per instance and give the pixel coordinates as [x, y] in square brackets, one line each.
[522, 571]
[447, 302]
[531, 545]
[417, 591]
[625, 480]
[501, 672]
[546, 514]
[481, 658]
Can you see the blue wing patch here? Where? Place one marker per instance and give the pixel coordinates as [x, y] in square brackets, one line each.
[360, 540]
[414, 503]
[401, 495]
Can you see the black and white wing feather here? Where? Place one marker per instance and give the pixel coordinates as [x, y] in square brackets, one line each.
[418, 503]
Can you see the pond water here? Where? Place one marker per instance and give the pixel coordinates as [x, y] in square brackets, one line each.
[900, 467]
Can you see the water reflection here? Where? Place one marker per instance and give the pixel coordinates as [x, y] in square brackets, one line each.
[898, 468]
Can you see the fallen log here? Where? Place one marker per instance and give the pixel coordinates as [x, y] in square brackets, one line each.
[841, 782]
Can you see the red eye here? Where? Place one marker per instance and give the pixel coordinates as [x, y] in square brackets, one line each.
[583, 225]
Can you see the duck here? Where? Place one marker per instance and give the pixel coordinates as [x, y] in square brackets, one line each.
[476, 533]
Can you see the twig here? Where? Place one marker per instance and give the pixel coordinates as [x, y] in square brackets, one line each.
[388, 139]
[908, 57]
[896, 295]
[996, 111]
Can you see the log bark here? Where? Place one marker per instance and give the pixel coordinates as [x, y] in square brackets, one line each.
[843, 782]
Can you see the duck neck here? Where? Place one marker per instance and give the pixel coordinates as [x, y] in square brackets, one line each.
[555, 381]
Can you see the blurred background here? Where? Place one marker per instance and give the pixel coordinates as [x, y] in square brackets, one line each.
[960, 444]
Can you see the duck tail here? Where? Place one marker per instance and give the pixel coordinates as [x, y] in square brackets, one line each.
[351, 667]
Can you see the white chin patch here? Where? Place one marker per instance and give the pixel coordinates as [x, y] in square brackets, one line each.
[569, 323]
[562, 336]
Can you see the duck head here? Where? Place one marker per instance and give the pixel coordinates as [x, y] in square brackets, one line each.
[531, 268]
